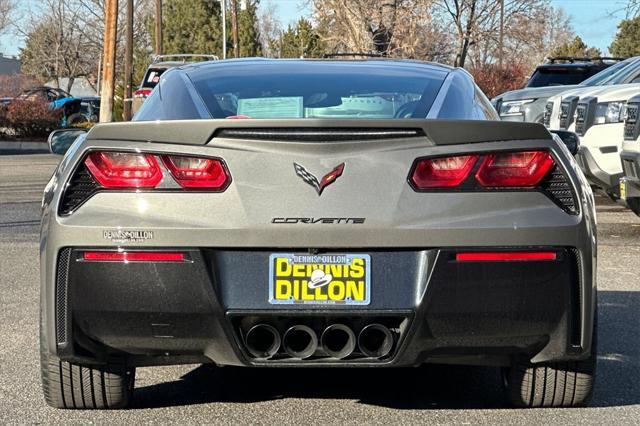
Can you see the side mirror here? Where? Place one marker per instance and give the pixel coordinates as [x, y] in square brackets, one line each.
[60, 140]
[570, 139]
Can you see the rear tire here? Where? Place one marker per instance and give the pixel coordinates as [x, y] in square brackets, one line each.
[555, 384]
[67, 385]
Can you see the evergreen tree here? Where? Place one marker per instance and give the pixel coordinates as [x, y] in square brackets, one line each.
[192, 26]
[627, 41]
[300, 41]
[248, 34]
[576, 48]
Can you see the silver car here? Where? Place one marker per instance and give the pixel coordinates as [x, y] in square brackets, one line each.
[318, 213]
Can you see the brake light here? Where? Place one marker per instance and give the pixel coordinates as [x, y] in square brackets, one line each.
[133, 256]
[197, 172]
[142, 93]
[445, 172]
[124, 169]
[514, 169]
[501, 256]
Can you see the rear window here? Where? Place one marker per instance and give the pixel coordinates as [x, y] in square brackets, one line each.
[152, 77]
[318, 91]
[560, 76]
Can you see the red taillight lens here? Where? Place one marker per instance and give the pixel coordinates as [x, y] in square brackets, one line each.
[133, 256]
[142, 93]
[445, 172]
[501, 256]
[197, 172]
[514, 169]
[124, 169]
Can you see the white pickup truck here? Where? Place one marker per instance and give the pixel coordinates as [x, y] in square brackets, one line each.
[630, 155]
[597, 116]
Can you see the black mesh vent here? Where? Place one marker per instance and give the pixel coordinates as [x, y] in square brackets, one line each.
[631, 122]
[62, 281]
[311, 134]
[546, 118]
[81, 187]
[558, 188]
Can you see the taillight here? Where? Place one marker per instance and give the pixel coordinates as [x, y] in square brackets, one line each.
[521, 169]
[514, 169]
[142, 93]
[197, 172]
[445, 172]
[506, 256]
[124, 169]
[133, 256]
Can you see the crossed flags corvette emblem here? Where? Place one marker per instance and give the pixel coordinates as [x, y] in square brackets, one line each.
[321, 184]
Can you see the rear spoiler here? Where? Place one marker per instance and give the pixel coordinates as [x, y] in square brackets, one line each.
[200, 132]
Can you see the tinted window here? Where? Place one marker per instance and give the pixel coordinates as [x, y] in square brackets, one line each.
[317, 89]
[560, 76]
[152, 77]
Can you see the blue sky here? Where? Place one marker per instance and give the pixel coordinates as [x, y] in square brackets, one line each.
[593, 20]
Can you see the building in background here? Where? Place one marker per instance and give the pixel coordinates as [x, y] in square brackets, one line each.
[9, 65]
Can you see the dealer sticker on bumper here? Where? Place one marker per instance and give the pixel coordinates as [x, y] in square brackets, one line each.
[319, 279]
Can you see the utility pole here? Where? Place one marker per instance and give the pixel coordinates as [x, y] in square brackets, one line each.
[224, 28]
[234, 27]
[128, 63]
[158, 44]
[109, 60]
[501, 41]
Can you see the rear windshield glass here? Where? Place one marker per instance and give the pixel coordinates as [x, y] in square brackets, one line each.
[152, 77]
[327, 91]
[559, 76]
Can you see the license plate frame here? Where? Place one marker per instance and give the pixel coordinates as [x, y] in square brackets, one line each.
[340, 274]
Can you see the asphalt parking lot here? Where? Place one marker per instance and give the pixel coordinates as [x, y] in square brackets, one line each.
[202, 394]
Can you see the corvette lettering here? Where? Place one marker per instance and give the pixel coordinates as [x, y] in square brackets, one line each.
[319, 220]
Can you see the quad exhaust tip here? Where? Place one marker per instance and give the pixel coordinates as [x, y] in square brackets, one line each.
[262, 341]
[300, 342]
[338, 341]
[375, 341]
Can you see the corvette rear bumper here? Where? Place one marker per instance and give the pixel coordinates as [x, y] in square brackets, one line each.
[439, 309]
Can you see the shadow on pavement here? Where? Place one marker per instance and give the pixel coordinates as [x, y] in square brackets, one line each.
[433, 386]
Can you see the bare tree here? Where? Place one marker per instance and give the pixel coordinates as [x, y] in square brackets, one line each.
[388, 27]
[6, 9]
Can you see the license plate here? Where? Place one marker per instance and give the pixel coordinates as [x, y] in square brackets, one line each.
[623, 190]
[319, 279]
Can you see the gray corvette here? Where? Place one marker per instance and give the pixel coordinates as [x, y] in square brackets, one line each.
[317, 213]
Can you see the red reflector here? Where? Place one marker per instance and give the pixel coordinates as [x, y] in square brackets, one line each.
[514, 169]
[442, 172]
[197, 172]
[124, 169]
[142, 93]
[133, 256]
[501, 256]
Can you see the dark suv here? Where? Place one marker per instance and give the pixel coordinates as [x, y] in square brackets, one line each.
[551, 78]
